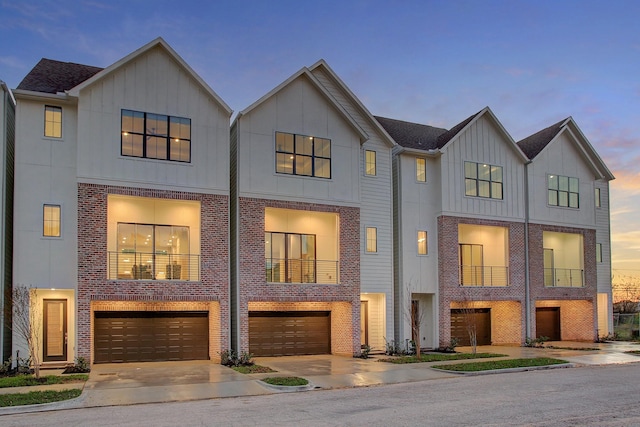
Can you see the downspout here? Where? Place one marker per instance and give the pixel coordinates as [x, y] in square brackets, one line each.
[527, 281]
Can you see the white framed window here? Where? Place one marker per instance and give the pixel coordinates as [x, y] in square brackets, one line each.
[52, 121]
[421, 169]
[372, 239]
[370, 163]
[423, 248]
[51, 220]
[598, 252]
[597, 197]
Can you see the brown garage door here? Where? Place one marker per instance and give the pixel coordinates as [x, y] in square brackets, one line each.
[289, 333]
[481, 317]
[141, 336]
[548, 323]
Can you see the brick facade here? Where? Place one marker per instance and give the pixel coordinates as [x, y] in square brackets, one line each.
[96, 292]
[343, 299]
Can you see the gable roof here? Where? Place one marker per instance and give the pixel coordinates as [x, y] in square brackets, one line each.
[50, 76]
[534, 144]
[305, 72]
[411, 135]
[449, 135]
[156, 43]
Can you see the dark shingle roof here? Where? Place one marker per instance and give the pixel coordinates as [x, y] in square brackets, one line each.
[411, 135]
[534, 144]
[448, 136]
[51, 76]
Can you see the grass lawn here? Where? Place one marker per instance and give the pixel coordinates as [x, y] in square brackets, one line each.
[501, 364]
[430, 357]
[286, 381]
[253, 369]
[36, 397]
[29, 380]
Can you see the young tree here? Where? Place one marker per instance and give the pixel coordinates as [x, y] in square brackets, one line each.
[413, 315]
[470, 319]
[27, 321]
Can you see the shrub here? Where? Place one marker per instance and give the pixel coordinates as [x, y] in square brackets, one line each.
[537, 342]
[364, 352]
[80, 366]
[231, 358]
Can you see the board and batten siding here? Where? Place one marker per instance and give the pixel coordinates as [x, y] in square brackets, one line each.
[561, 157]
[482, 142]
[152, 83]
[375, 202]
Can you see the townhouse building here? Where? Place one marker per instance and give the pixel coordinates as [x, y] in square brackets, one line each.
[499, 237]
[311, 221]
[121, 208]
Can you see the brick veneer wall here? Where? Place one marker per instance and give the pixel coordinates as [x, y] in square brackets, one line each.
[344, 298]
[93, 286]
[452, 294]
[578, 318]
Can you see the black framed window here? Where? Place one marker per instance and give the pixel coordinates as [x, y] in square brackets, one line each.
[483, 180]
[156, 136]
[303, 155]
[563, 191]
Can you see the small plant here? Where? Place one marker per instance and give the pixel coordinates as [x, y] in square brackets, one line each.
[609, 337]
[393, 348]
[286, 381]
[364, 352]
[231, 358]
[6, 368]
[535, 342]
[80, 366]
[451, 347]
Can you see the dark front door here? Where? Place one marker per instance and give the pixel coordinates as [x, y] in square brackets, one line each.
[463, 320]
[548, 323]
[364, 323]
[55, 330]
[142, 336]
[289, 333]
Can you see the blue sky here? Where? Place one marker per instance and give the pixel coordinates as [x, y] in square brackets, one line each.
[434, 62]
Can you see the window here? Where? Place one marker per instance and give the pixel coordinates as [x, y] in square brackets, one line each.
[372, 239]
[483, 180]
[156, 136]
[149, 251]
[303, 155]
[51, 221]
[598, 201]
[52, 121]
[563, 191]
[370, 162]
[291, 257]
[421, 170]
[422, 243]
[598, 252]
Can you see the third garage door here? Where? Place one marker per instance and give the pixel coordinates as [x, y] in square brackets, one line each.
[289, 333]
[144, 336]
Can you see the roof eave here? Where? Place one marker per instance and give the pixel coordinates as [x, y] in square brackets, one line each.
[34, 95]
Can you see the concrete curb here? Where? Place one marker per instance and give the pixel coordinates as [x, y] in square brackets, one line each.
[287, 388]
[508, 370]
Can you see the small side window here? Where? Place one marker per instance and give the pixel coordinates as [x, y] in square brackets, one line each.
[52, 121]
[51, 221]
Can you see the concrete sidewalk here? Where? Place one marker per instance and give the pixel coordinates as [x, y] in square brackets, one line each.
[138, 383]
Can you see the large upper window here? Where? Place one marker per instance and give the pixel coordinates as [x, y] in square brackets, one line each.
[51, 221]
[303, 155]
[156, 136]
[52, 121]
[563, 191]
[291, 257]
[483, 180]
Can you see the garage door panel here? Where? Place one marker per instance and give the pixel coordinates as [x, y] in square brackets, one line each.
[461, 317]
[289, 333]
[150, 336]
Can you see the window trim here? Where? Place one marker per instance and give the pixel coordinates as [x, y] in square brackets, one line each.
[44, 221]
[424, 171]
[558, 191]
[426, 243]
[57, 109]
[295, 154]
[598, 197]
[478, 180]
[367, 163]
[146, 135]
[374, 240]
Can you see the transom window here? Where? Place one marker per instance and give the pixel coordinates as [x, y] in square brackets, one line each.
[156, 136]
[421, 170]
[51, 221]
[52, 121]
[303, 155]
[370, 163]
[564, 191]
[483, 180]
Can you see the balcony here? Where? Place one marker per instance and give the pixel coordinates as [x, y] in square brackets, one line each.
[280, 270]
[153, 266]
[563, 278]
[473, 275]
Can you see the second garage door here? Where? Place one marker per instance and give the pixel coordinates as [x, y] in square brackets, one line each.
[463, 319]
[283, 333]
[141, 336]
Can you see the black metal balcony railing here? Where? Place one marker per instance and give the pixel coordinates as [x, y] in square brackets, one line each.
[153, 266]
[280, 270]
[563, 277]
[473, 275]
